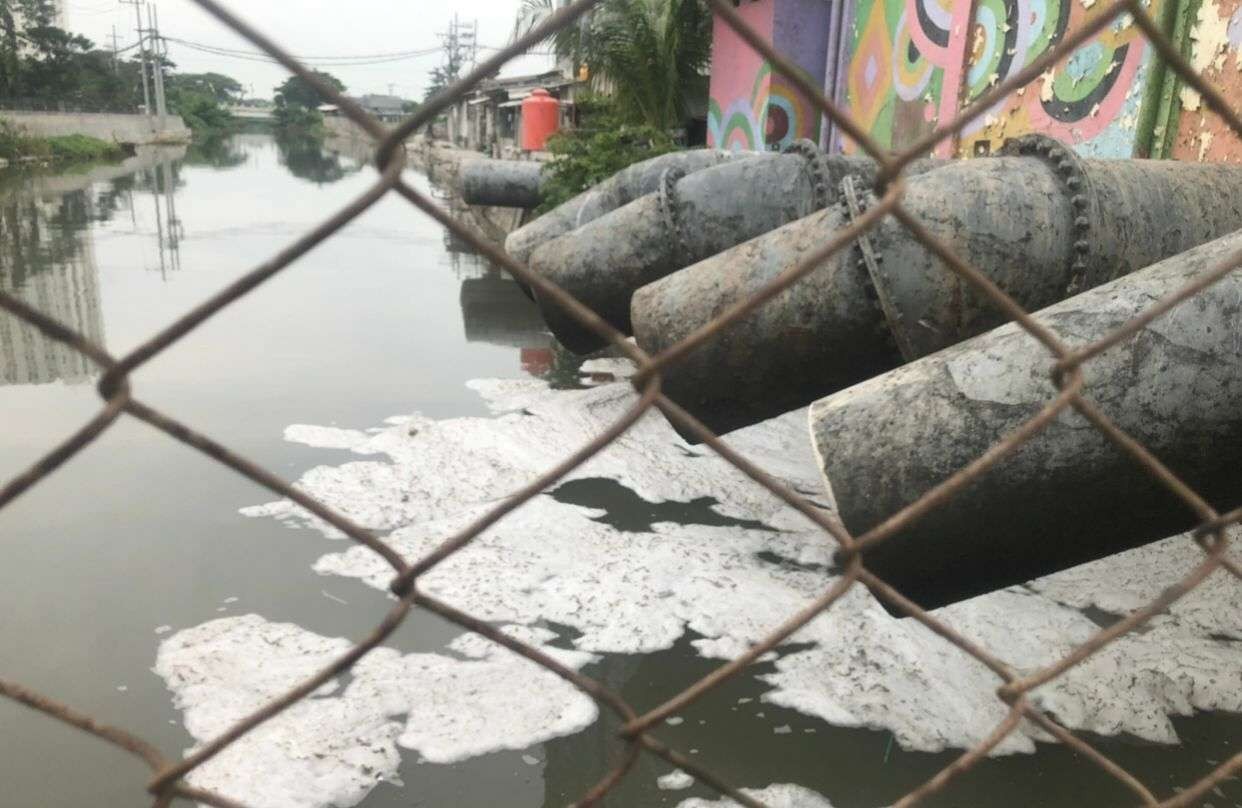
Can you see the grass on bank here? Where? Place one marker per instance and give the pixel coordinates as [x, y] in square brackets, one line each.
[16, 146]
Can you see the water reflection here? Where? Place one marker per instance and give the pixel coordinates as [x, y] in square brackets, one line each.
[495, 310]
[306, 158]
[48, 261]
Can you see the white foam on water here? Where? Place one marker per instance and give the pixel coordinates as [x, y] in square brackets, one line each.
[325, 437]
[868, 670]
[436, 469]
[777, 796]
[551, 562]
[620, 367]
[674, 781]
[332, 749]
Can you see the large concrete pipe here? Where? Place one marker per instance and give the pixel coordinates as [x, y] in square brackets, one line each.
[502, 183]
[1069, 495]
[620, 189]
[1042, 227]
[687, 220]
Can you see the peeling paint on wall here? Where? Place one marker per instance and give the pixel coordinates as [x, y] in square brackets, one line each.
[1090, 100]
[1215, 40]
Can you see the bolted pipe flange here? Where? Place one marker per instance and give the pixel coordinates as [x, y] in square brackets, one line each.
[816, 165]
[871, 263]
[1073, 174]
[670, 207]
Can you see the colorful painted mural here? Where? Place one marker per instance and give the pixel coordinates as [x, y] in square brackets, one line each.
[906, 59]
[1092, 100]
[741, 80]
[916, 63]
[899, 68]
[1215, 50]
[750, 106]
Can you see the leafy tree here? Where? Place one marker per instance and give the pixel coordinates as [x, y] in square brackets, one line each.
[18, 19]
[298, 92]
[305, 157]
[652, 55]
[291, 118]
[601, 145]
[223, 89]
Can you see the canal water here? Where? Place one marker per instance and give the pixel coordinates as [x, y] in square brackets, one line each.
[161, 592]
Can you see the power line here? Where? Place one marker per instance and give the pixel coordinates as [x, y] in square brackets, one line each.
[328, 61]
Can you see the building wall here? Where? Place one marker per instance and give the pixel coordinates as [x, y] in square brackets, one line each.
[752, 107]
[1093, 102]
[901, 67]
[905, 60]
[801, 29]
[1214, 42]
[136, 129]
[741, 80]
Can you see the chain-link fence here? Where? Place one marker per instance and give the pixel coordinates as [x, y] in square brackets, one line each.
[1068, 365]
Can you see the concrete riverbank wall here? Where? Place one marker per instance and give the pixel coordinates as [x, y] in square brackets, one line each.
[139, 130]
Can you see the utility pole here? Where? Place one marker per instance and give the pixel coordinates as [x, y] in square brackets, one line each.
[142, 49]
[460, 43]
[115, 50]
[157, 45]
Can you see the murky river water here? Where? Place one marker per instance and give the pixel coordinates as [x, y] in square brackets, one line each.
[385, 319]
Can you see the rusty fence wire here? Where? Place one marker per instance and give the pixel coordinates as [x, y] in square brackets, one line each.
[1068, 365]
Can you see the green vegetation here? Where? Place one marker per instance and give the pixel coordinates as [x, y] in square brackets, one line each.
[298, 92]
[297, 102]
[651, 56]
[48, 67]
[602, 144]
[298, 120]
[16, 146]
[202, 99]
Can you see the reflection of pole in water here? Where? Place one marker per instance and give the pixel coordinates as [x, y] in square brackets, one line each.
[174, 224]
[156, 174]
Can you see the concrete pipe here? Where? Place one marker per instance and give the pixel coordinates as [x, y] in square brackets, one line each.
[620, 189]
[1069, 495]
[502, 183]
[687, 220]
[1042, 227]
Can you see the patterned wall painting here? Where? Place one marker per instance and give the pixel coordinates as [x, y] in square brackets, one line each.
[751, 107]
[905, 65]
[741, 82]
[1092, 100]
[801, 32]
[1215, 45]
[915, 63]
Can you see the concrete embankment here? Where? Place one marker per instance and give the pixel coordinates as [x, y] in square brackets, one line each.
[441, 162]
[58, 184]
[138, 130]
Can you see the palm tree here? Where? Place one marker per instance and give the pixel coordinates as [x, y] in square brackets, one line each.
[649, 55]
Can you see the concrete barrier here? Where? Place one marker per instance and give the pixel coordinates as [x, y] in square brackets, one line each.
[136, 129]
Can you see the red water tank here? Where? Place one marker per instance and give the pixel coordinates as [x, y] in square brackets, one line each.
[541, 118]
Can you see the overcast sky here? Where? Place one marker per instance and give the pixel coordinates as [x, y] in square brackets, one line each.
[313, 28]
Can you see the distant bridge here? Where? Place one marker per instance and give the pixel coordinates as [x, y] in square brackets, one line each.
[252, 113]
